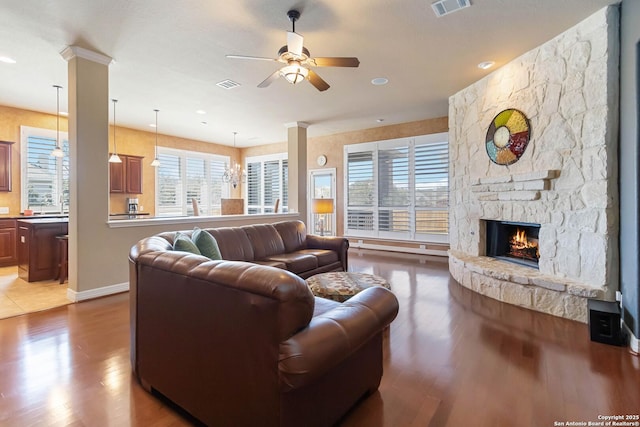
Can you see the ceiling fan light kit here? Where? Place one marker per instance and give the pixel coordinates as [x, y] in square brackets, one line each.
[298, 60]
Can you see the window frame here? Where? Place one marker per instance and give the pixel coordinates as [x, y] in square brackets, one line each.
[374, 228]
[206, 206]
[261, 207]
[27, 132]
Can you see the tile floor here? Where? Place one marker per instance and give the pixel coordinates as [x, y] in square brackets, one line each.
[18, 296]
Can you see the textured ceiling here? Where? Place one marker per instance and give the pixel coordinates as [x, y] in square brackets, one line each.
[170, 55]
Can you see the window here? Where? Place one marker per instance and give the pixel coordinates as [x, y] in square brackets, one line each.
[45, 179]
[267, 181]
[398, 189]
[186, 175]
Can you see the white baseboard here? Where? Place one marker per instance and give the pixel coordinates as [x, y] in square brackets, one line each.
[98, 292]
[634, 343]
[403, 249]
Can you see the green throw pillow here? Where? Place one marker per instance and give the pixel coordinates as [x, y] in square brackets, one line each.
[183, 243]
[206, 243]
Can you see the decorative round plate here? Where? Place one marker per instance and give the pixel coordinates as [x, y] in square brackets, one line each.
[507, 137]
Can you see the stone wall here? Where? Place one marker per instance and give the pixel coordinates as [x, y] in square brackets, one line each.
[566, 180]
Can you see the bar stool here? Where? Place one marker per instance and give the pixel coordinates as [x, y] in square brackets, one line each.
[63, 257]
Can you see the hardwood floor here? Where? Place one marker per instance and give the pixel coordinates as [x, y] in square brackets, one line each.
[453, 358]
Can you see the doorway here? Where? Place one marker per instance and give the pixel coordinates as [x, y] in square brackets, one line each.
[322, 185]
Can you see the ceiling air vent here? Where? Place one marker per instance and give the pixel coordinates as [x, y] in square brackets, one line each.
[227, 84]
[445, 7]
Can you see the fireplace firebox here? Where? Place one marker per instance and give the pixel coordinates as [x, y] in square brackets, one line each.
[513, 241]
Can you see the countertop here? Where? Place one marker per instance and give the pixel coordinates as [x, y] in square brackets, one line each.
[50, 220]
[34, 216]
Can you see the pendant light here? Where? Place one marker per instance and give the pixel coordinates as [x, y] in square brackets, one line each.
[234, 174]
[114, 157]
[156, 162]
[57, 152]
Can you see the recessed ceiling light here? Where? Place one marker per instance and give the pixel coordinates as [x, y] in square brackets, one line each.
[64, 113]
[379, 81]
[7, 60]
[203, 123]
[152, 125]
[201, 112]
[486, 65]
[379, 120]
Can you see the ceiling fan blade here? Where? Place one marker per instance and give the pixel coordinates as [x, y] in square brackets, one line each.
[294, 43]
[334, 62]
[317, 81]
[259, 58]
[270, 79]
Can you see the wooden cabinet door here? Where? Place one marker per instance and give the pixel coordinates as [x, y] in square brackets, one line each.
[8, 242]
[116, 177]
[133, 174]
[5, 165]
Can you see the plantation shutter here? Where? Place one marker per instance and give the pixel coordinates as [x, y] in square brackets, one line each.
[432, 188]
[47, 177]
[215, 186]
[169, 192]
[393, 190]
[360, 188]
[254, 187]
[196, 183]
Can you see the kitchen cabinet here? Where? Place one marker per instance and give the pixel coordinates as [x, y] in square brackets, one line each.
[5, 165]
[8, 242]
[126, 177]
[37, 247]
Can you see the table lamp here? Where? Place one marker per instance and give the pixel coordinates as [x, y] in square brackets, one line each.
[322, 207]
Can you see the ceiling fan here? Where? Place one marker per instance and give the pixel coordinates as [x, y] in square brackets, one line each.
[298, 60]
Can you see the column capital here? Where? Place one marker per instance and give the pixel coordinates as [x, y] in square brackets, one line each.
[71, 52]
[303, 125]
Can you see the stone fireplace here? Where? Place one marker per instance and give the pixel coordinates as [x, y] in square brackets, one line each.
[564, 187]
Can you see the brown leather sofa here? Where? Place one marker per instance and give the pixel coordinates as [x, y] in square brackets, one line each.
[243, 344]
[284, 244]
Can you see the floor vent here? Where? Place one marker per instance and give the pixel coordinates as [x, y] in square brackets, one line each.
[445, 7]
[227, 84]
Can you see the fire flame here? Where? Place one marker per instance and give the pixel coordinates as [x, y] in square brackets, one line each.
[519, 242]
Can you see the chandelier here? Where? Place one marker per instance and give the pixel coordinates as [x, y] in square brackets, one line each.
[234, 174]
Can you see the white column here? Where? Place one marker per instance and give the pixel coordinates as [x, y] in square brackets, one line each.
[88, 89]
[297, 149]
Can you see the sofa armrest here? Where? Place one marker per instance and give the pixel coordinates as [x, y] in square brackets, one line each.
[334, 243]
[334, 335]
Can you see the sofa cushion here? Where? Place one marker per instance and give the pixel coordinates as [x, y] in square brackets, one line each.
[183, 242]
[324, 256]
[276, 264]
[233, 243]
[206, 243]
[265, 240]
[296, 262]
[293, 234]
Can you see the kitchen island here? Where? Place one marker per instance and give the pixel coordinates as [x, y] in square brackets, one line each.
[37, 247]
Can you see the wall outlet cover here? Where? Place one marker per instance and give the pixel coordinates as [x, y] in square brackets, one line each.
[4, 209]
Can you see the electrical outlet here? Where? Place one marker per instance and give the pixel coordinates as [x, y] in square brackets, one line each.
[141, 208]
[423, 246]
[4, 209]
[359, 241]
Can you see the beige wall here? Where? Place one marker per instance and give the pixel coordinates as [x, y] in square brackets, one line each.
[141, 143]
[10, 121]
[129, 141]
[332, 147]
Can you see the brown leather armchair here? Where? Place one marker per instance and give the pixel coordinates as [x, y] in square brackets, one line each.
[240, 344]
